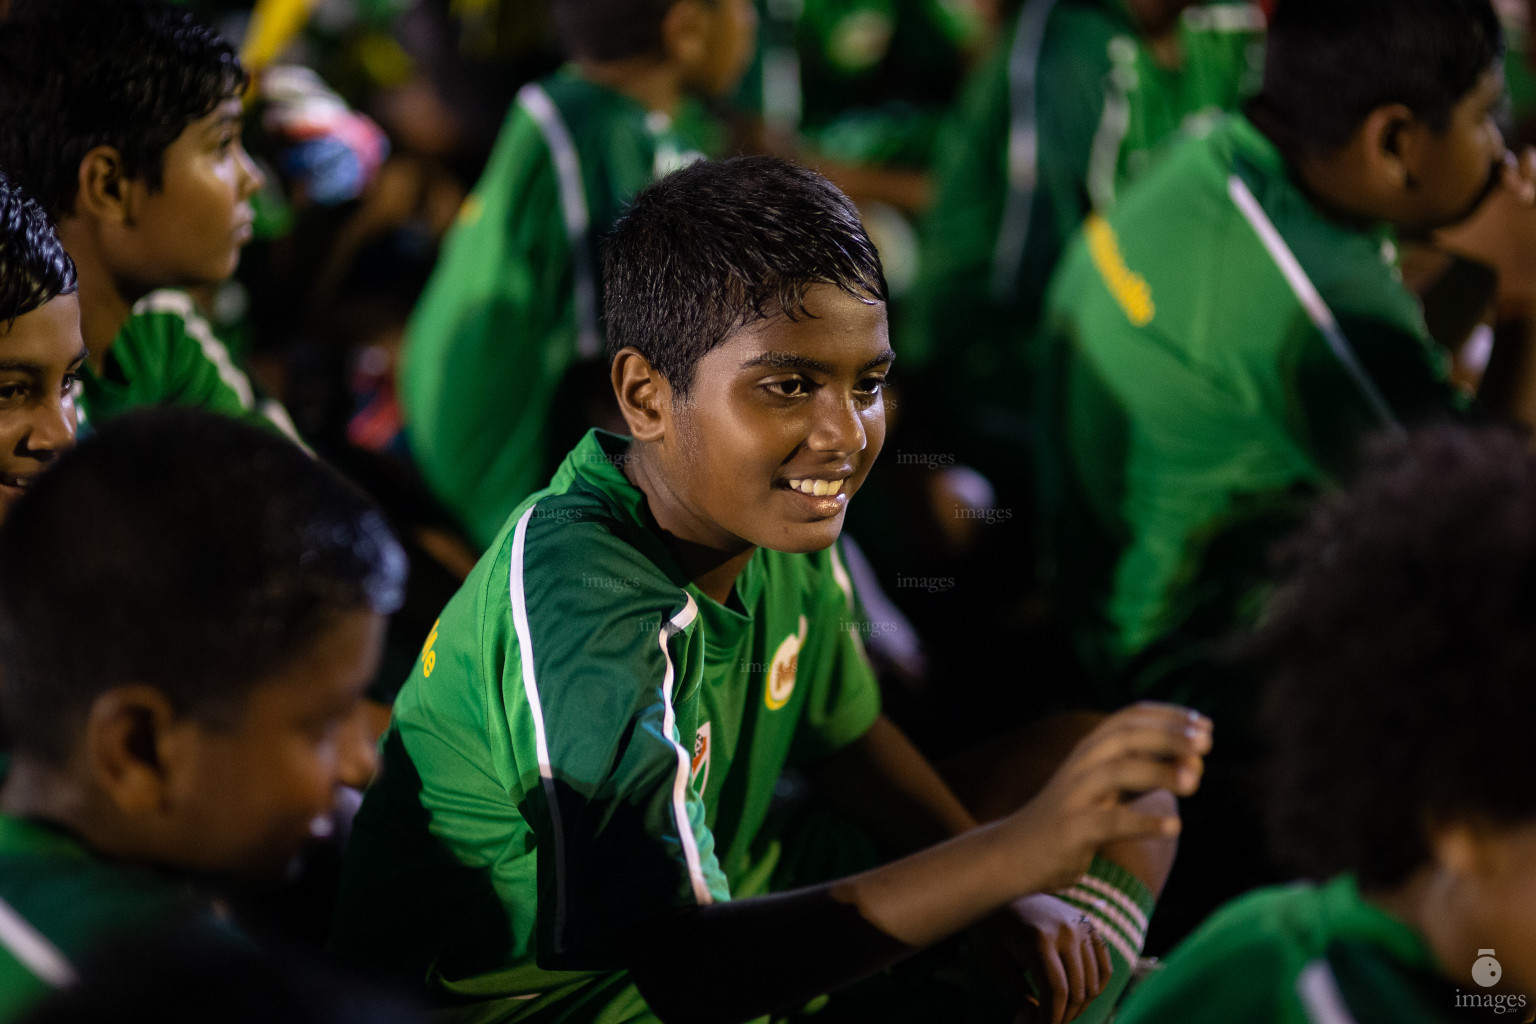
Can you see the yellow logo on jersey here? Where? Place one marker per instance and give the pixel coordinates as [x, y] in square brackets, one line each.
[1129, 288]
[428, 655]
[781, 671]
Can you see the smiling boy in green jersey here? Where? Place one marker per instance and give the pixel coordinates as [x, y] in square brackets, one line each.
[570, 820]
[180, 677]
[503, 353]
[1054, 126]
[40, 347]
[123, 121]
[1400, 658]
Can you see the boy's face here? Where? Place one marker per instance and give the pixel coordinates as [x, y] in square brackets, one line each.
[40, 353]
[1495, 908]
[731, 27]
[778, 409]
[1459, 164]
[190, 231]
[251, 793]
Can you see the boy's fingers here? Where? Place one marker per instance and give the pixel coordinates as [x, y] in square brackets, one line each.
[1101, 951]
[1138, 773]
[1121, 822]
[1077, 983]
[1056, 981]
[1093, 979]
[1159, 742]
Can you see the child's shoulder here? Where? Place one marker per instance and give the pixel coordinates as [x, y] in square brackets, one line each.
[63, 902]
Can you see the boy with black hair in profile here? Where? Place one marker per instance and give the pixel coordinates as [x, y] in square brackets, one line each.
[1218, 344]
[1399, 651]
[190, 610]
[123, 118]
[40, 348]
[571, 822]
[502, 368]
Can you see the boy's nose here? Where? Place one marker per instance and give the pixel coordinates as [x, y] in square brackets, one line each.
[53, 428]
[357, 759]
[251, 178]
[839, 427]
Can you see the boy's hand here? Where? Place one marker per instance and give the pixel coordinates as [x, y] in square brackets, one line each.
[1086, 802]
[1050, 940]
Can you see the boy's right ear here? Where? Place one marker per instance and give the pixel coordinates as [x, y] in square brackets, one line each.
[102, 191]
[644, 394]
[125, 735]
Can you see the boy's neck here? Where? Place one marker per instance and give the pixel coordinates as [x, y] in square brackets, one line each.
[39, 792]
[651, 82]
[713, 569]
[103, 305]
[1421, 904]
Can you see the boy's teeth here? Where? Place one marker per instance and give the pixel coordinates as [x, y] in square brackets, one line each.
[817, 488]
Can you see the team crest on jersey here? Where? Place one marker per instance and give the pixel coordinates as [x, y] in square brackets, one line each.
[781, 671]
[701, 757]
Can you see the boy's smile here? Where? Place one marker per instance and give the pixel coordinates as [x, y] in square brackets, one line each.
[782, 424]
[40, 353]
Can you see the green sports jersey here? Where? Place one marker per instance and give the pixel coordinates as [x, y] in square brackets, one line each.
[1213, 352]
[513, 303]
[166, 353]
[587, 742]
[1300, 954]
[1052, 127]
[58, 902]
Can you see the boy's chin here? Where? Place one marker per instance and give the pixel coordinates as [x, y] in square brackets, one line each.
[808, 538]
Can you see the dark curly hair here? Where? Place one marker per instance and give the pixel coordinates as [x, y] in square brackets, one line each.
[34, 268]
[77, 74]
[1402, 655]
[719, 245]
[182, 549]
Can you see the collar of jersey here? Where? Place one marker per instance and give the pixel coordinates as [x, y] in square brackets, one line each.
[597, 461]
[1349, 914]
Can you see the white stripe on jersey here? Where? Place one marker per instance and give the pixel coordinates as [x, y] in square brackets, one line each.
[1114, 926]
[676, 625]
[573, 204]
[531, 691]
[1306, 293]
[1023, 146]
[32, 949]
[1320, 996]
[178, 303]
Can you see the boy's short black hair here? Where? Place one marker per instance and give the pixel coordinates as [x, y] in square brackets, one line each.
[718, 245]
[183, 550]
[34, 268]
[1329, 63]
[602, 30]
[1403, 649]
[77, 74]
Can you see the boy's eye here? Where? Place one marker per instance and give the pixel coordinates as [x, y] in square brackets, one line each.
[795, 387]
[871, 386]
[12, 392]
[70, 380]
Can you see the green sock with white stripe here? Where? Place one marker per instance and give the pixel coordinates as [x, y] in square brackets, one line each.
[1119, 905]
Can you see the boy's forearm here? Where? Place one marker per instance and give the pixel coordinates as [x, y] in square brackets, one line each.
[887, 786]
[738, 960]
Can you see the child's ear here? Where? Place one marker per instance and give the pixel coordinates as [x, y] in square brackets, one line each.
[1392, 144]
[129, 746]
[685, 33]
[644, 395]
[103, 186]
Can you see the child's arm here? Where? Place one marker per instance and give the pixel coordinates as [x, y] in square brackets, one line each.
[736, 960]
